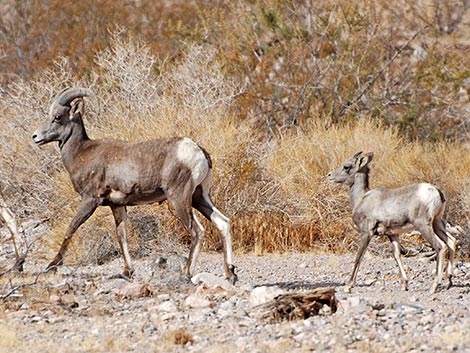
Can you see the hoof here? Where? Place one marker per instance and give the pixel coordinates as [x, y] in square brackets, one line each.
[233, 279]
[128, 273]
[449, 282]
[51, 268]
[232, 276]
[186, 278]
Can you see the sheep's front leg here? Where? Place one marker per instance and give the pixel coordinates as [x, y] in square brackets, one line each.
[87, 207]
[366, 236]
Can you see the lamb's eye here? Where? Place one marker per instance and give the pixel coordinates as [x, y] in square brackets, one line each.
[56, 118]
[346, 168]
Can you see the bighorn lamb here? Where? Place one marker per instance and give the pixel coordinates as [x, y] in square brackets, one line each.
[120, 174]
[383, 211]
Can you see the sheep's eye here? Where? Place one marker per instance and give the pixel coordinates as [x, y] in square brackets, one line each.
[347, 168]
[56, 118]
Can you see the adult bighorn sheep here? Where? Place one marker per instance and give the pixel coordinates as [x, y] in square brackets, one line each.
[119, 174]
[384, 211]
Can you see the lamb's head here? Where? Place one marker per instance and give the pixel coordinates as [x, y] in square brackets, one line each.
[346, 173]
[66, 110]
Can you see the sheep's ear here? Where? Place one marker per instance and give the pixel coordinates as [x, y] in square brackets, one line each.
[77, 108]
[365, 159]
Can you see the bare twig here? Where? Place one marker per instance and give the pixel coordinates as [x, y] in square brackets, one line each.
[22, 285]
[347, 105]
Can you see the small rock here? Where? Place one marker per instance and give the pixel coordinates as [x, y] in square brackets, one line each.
[225, 309]
[407, 308]
[167, 306]
[211, 280]
[201, 315]
[173, 263]
[197, 301]
[55, 299]
[159, 262]
[134, 290]
[264, 294]
[54, 320]
[36, 319]
[164, 296]
[352, 304]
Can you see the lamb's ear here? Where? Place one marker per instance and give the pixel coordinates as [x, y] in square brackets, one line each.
[365, 160]
[357, 154]
[76, 110]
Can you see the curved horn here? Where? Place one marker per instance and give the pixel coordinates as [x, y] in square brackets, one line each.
[68, 95]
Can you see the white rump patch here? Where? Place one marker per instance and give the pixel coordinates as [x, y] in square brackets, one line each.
[191, 155]
[427, 192]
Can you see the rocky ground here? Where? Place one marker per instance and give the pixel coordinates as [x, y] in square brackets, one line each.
[82, 309]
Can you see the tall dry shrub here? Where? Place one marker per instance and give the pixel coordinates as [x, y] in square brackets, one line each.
[136, 98]
[301, 160]
[278, 104]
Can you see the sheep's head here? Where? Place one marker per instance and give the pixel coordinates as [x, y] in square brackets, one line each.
[62, 117]
[346, 173]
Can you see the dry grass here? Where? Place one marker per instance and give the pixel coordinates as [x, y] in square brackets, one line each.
[274, 124]
[300, 161]
[180, 337]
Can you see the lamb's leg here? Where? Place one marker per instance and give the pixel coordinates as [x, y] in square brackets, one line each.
[441, 231]
[366, 236]
[439, 247]
[397, 255]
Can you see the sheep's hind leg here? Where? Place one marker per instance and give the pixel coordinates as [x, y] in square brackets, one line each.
[120, 219]
[396, 254]
[203, 203]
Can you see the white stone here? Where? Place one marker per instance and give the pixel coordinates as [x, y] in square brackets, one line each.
[167, 307]
[264, 294]
[211, 280]
[196, 301]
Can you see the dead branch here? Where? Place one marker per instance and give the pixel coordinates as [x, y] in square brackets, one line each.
[345, 107]
[299, 305]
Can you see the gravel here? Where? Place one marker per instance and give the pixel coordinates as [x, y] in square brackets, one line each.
[83, 309]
